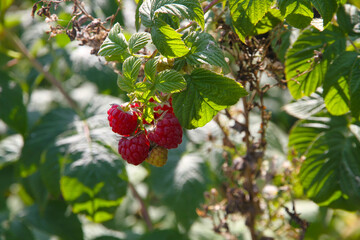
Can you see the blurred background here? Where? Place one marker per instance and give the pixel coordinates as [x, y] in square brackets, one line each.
[44, 143]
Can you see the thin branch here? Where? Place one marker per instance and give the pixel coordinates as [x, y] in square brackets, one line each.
[48, 76]
[144, 211]
[353, 44]
[78, 5]
[208, 7]
[186, 26]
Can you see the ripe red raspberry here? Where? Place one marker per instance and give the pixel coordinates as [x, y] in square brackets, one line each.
[134, 149]
[164, 107]
[159, 110]
[168, 132]
[123, 123]
[157, 156]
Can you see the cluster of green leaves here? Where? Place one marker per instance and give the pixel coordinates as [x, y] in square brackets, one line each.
[55, 158]
[198, 93]
[64, 157]
[255, 17]
[323, 72]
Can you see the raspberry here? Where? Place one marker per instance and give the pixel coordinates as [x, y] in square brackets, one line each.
[168, 132]
[157, 156]
[159, 110]
[134, 149]
[165, 107]
[123, 123]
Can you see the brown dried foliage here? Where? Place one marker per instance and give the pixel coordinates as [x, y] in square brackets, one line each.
[82, 27]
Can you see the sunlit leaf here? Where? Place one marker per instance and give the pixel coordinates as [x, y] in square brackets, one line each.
[298, 13]
[115, 43]
[170, 81]
[167, 40]
[205, 95]
[138, 41]
[307, 60]
[336, 85]
[306, 107]
[204, 49]
[331, 168]
[189, 9]
[245, 14]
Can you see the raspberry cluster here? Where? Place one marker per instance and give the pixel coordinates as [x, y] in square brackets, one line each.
[141, 140]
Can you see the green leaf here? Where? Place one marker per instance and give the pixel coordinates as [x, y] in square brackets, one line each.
[130, 71]
[125, 84]
[131, 68]
[204, 50]
[348, 18]
[353, 2]
[304, 68]
[115, 43]
[306, 107]
[137, 15]
[343, 71]
[172, 21]
[327, 9]
[331, 170]
[44, 135]
[150, 69]
[180, 184]
[144, 91]
[51, 163]
[169, 81]
[5, 4]
[93, 179]
[167, 40]
[18, 230]
[298, 13]
[138, 41]
[35, 188]
[54, 220]
[8, 177]
[189, 9]
[354, 86]
[206, 94]
[13, 111]
[245, 14]
[94, 182]
[271, 19]
[191, 109]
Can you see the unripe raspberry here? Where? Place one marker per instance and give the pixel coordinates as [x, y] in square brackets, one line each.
[157, 156]
[121, 122]
[134, 149]
[167, 132]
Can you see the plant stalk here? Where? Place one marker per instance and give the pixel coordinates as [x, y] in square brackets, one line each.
[37, 65]
[143, 210]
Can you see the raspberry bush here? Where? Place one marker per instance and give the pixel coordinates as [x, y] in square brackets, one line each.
[174, 119]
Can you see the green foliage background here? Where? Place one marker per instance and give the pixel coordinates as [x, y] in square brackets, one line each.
[61, 175]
